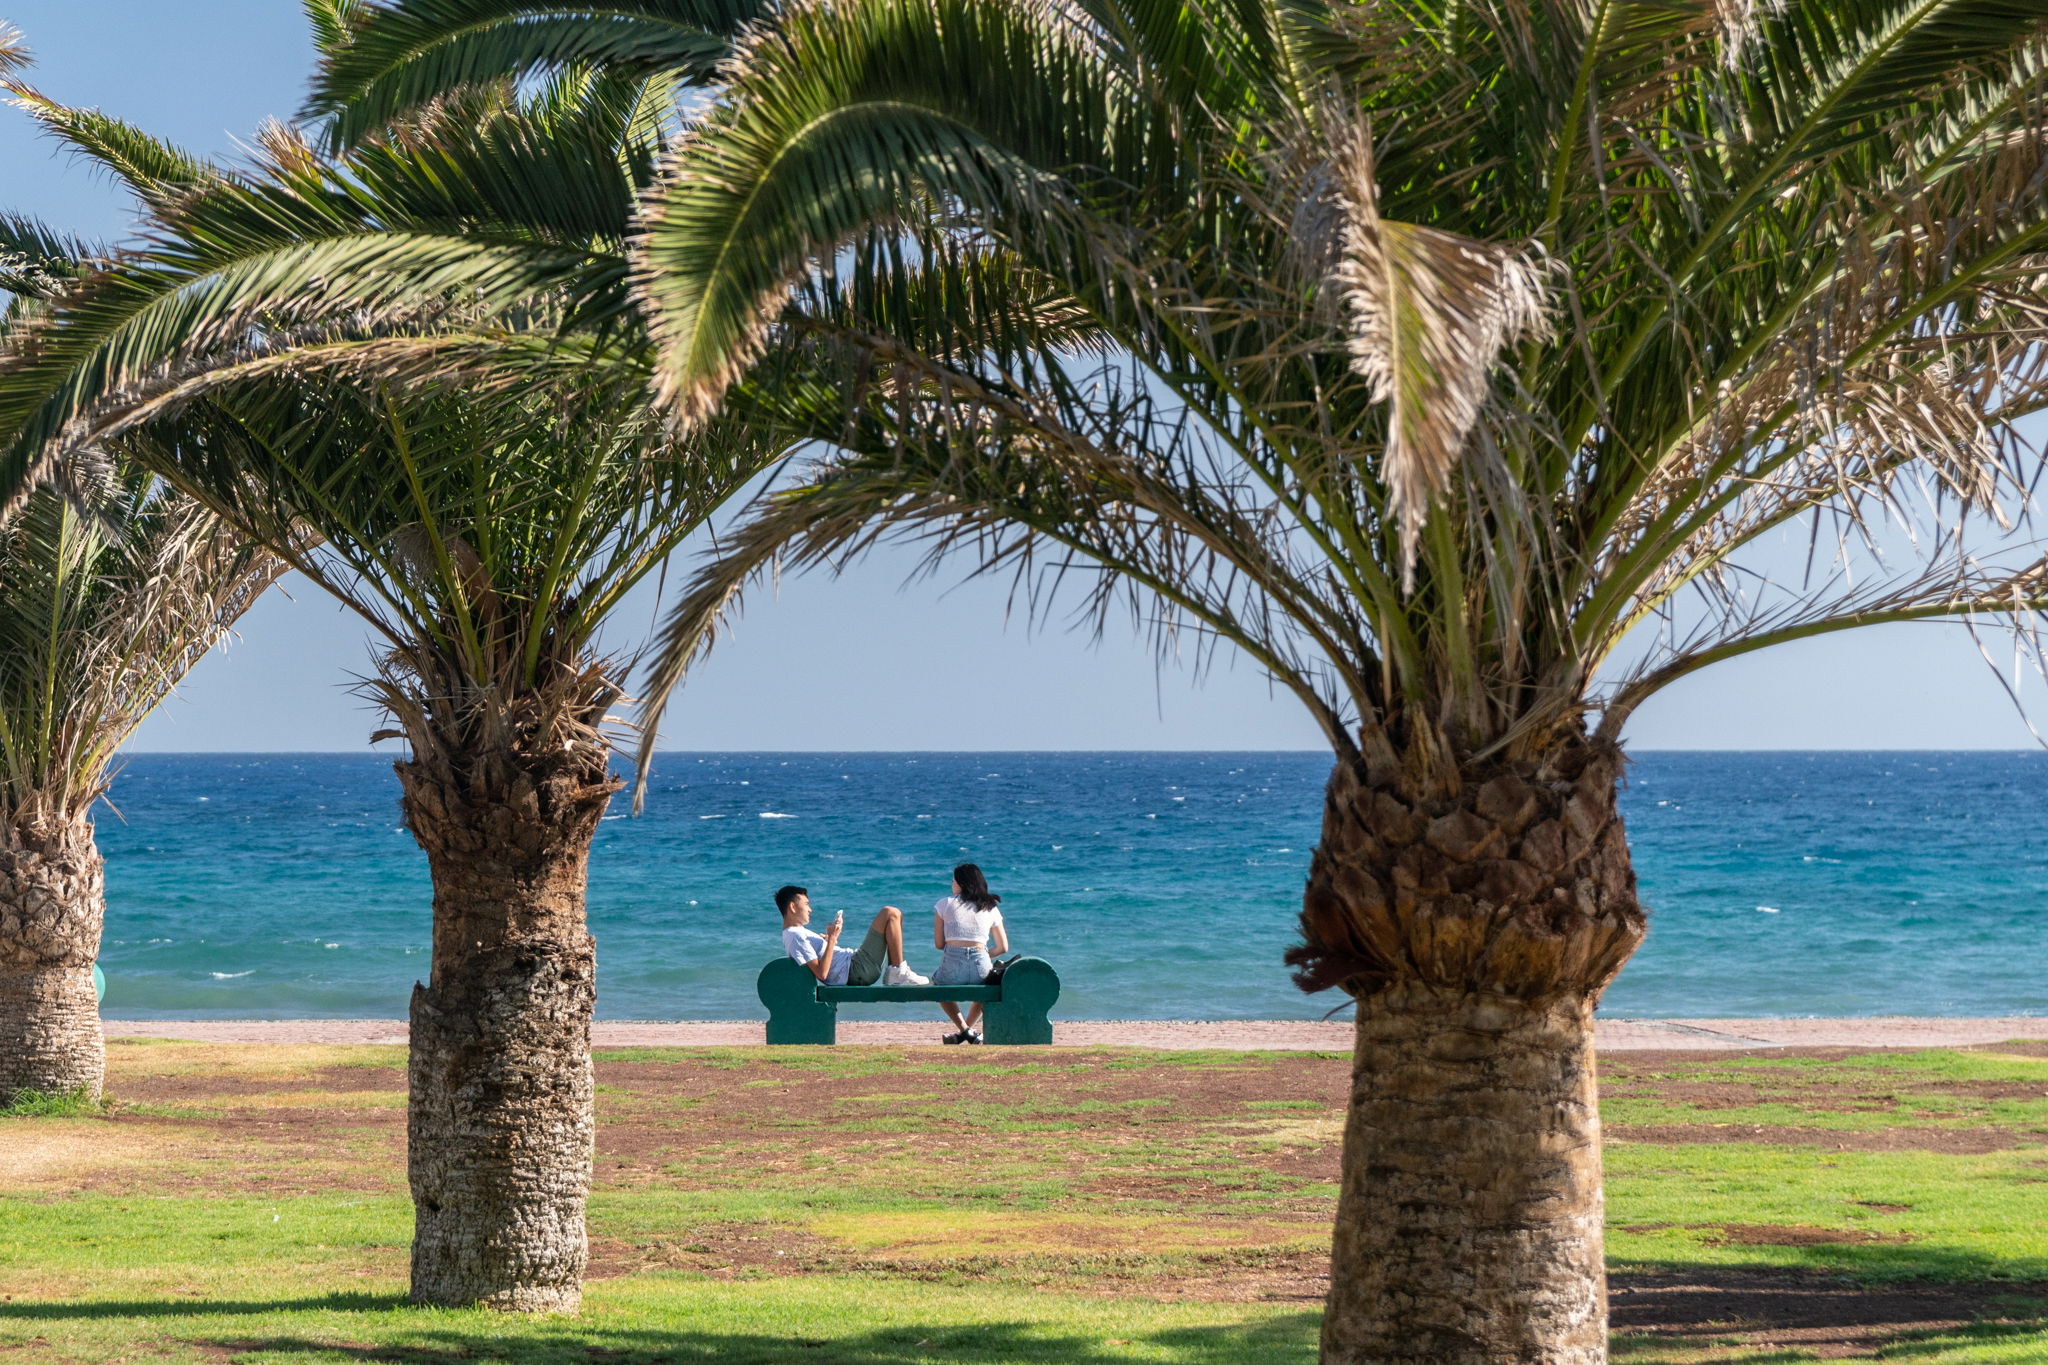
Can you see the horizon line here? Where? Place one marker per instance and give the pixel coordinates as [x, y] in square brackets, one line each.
[841, 753]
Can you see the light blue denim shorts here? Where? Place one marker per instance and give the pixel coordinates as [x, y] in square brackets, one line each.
[962, 967]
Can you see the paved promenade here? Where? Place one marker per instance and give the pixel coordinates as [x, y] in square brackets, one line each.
[1615, 1035]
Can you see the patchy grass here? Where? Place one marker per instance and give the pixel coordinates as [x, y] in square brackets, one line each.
[1845, 1092]
[1893, 1215]
[36, 1104]
[877, 1205]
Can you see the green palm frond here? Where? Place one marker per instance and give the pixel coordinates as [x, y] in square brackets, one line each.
[37, 260]
[407, 372]
[486, 219]
[1505, 328]
[334, 23]
[153, 170]
[402, 57]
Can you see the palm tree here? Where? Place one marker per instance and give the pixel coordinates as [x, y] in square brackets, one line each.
[404, 372]
[1426, 353]
[486, 544]
[102, 612]
[111, 588]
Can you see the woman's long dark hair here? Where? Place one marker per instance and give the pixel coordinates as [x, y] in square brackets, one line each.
[974, 887]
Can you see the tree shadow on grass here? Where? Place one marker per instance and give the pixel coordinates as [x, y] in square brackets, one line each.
[48, 1310]
[1801, 1311]
[1823, 1251]
[1987, 1334]
[387, 1338]
[984, 1343]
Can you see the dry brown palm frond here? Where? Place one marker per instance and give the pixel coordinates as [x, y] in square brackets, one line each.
[1430, 315]
[102, 617]
[14, 53]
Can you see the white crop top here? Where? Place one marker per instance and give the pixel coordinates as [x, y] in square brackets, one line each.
[965, 923]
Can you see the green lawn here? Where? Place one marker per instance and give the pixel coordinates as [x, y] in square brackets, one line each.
[884, 1205]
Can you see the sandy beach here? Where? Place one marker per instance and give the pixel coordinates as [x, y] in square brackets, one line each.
[1615, 1035]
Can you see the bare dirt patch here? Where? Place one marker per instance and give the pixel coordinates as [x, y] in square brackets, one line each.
[202, 1087]
[1221, 1275]
[1985, 1090]
[52, 1155]
[1795, 1235]
[1955, 1141]
[1051, 1086]
[1155, 1187]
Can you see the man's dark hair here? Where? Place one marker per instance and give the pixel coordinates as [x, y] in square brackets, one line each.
[788, 894]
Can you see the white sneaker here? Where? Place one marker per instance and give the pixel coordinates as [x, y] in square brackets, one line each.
[893, 975]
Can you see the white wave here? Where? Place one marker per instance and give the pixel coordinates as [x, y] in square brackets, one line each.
[1767, 909]
[776, 815]
[228, 976]
[711, 817]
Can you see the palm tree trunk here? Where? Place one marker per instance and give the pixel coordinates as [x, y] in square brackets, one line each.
[499, 1123]
[52, 907]
[1477, 929]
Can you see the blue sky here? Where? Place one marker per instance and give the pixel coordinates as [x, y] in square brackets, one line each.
[868, 661]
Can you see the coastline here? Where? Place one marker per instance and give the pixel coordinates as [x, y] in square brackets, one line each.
[1287, 1035]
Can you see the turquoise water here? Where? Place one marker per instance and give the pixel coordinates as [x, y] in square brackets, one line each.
[1163, 885]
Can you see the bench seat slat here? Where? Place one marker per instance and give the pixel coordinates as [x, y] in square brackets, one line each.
[929, 993]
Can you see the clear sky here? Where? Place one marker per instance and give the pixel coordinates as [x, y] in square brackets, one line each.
[867, 661]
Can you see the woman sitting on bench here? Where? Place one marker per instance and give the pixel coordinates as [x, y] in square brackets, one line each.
[963, 925]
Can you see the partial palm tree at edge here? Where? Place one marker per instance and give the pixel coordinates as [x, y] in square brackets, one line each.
[368, 365]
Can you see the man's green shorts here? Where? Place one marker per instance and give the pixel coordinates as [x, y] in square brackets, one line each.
[868, 960]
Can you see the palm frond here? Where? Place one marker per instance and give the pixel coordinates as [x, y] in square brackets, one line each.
[101, 616]
[37, 260]
[404, 56]
[1608, 293]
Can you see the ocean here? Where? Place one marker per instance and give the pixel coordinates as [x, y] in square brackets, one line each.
[1161, 885]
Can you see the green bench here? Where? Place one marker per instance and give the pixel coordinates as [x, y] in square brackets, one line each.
[1015, 1010]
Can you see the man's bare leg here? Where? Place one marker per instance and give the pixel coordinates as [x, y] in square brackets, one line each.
[890, 922]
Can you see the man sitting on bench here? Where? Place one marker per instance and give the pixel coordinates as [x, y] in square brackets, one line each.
[880, 954]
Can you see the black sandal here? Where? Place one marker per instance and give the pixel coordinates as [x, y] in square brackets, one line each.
[959, 1037]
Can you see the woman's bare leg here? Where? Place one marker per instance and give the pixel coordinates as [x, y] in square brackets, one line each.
[953, 1012]
[974, 1015]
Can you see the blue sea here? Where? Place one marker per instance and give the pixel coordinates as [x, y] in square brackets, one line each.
[1162, 885]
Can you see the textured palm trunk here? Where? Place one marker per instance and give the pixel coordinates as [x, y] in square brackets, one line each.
[1476, 928]
[499, 1123]
[52, 907]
